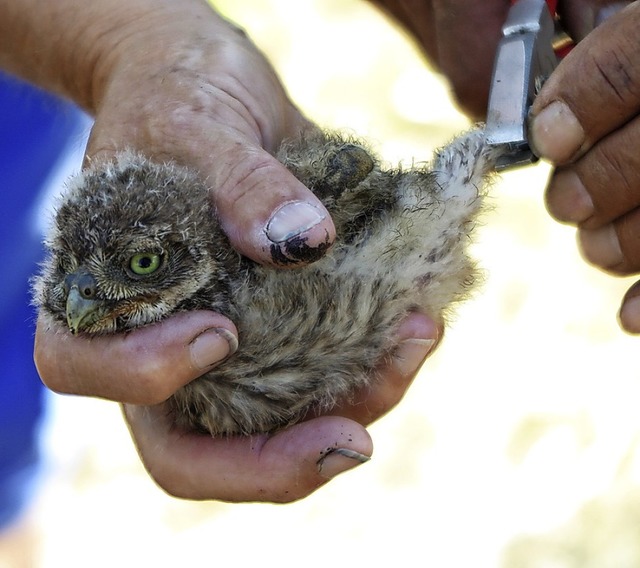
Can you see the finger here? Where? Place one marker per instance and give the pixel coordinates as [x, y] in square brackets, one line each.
[614, 247]
[265, 211]
[580, 17]
[144, 366]
[602, 185]
[268, 215]
[283, 467]
[629, 315]
[594, 91]
[468, 36]
[567, 198]
[417, 337]
[224, 119]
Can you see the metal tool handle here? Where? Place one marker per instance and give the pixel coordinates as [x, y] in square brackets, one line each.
[525, 58]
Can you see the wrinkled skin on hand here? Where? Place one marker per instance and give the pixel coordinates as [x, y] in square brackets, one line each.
[459, 37]
[590, 128]
[174, 80]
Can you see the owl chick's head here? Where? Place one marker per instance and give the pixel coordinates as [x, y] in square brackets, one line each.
[131, 241]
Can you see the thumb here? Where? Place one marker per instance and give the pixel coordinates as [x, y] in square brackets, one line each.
[594, 90]
[279, 468]
[265, 211]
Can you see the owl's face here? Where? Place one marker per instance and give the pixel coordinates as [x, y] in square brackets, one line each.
[129, 245]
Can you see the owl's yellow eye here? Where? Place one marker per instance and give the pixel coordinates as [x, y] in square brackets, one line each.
[145, 263]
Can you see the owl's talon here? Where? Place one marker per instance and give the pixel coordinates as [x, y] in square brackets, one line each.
[345, 169]
[348, 167]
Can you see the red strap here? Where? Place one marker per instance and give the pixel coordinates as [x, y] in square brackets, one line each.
[564, 49]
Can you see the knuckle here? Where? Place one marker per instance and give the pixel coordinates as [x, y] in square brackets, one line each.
[615, 73]
[145, 380]
[610, 173]
[621, 172]
[629, 238]
[148, 387]
[173, 486]
[244, 179]
[53, 381]
[613, 53]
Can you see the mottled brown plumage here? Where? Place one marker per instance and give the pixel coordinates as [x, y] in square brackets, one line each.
[134, 242]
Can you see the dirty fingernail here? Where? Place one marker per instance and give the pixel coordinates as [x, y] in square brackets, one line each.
[411, 353]
[293, 219]
[338, 460]
[568, 199]
[299, 233]
[556, 134]
[601, 246]
[212, 346]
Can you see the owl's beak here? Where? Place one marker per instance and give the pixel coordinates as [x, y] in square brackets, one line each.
[82, 308]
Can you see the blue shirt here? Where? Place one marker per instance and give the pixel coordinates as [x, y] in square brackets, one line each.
[36, 131]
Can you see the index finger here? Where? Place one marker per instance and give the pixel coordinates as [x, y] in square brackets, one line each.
[594, 90]
[144, 366]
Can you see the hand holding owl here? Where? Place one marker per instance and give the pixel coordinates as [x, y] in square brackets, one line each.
[147, 365]
[223, 119]
[584, 120]
[174, 102]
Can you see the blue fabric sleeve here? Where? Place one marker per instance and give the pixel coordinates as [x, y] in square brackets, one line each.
[36, 130]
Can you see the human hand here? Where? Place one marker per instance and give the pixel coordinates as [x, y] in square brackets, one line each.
[181, 83]
[590, 127]
[293, 462]
[209, 99]
[460, 37]
[143, 368]
[586, 119]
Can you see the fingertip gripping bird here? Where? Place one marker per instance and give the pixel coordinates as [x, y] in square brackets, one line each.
[134, 241]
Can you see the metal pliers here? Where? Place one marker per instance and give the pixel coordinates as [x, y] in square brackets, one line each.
[525, 59]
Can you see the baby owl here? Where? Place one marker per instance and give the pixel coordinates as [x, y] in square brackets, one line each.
[135, 241]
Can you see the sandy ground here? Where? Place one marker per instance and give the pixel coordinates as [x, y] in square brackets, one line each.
[516, 446]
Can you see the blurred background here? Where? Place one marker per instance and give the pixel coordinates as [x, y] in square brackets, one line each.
[517, 445]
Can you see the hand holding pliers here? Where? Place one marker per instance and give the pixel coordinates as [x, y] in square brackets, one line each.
[525, 58]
